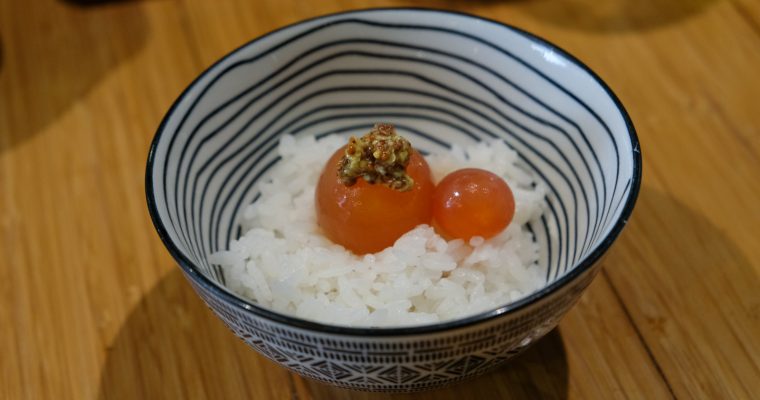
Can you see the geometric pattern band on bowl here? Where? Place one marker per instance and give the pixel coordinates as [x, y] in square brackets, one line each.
[406, 364]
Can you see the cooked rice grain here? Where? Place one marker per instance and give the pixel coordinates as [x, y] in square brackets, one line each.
[284, 263]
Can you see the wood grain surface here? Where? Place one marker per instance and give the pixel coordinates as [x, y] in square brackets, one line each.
[93, 307]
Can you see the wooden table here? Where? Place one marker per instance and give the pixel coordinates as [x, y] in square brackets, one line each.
[93, 307]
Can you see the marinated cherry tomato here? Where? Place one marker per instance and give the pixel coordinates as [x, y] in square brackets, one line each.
[366, 218]
[472, 202]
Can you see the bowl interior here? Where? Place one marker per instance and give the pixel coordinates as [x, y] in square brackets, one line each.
[442, 78]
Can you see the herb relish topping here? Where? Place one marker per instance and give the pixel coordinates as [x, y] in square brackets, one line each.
[380, 156]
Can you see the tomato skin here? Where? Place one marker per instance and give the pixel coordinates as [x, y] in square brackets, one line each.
[366, 218]
[472, 202]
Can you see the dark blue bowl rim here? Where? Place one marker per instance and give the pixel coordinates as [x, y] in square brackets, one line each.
[585, 264]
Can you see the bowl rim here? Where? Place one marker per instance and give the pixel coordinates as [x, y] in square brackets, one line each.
[512, 308]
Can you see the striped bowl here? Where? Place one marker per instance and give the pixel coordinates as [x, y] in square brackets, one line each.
[441, 78]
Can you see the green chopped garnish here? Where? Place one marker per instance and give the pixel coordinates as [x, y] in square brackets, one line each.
[380, 156]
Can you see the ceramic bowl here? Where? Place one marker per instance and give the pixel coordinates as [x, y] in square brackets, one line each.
[441, 78]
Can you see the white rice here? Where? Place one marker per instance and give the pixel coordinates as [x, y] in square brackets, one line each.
[283, 261]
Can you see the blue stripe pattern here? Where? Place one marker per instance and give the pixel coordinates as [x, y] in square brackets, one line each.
[439, 83]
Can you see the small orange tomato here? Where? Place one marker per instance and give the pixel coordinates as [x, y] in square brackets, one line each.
[367, 218]
[472, 202]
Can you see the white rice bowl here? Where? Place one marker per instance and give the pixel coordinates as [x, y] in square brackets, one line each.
[283, 261]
